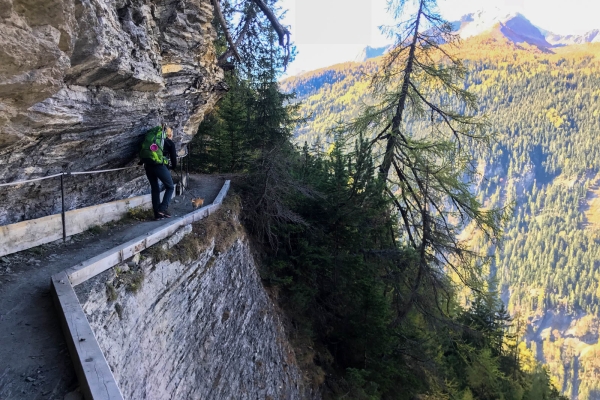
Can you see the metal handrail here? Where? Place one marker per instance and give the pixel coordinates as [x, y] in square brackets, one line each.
[62, 186]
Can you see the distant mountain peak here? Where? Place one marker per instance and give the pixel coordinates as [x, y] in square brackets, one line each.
[556, 40]
[517, 28]
[371, 52]
[482, 21]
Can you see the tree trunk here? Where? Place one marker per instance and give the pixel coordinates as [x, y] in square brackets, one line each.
[397, 120]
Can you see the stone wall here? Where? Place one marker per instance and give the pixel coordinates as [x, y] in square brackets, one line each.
[82, 80]
[201, 328]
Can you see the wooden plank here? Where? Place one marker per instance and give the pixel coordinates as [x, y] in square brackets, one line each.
[95, 377]
[27, 234]
[100, 263]
[201, 215]
[35, 232]
[160, 233]
[94, 266]
[82, 219]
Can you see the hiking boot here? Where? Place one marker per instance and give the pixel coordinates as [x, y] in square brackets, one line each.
[164, 214]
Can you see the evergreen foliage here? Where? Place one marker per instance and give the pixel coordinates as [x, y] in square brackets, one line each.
[341, 265]
[544, 112]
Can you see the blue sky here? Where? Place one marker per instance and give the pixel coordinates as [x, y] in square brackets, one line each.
[327, 32]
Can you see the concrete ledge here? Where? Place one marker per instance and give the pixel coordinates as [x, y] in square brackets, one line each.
[95, 376]
[96, 265]
[27, 234]
[82, 219]
[222, 193]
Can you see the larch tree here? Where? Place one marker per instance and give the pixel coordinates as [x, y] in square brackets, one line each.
[425, 130]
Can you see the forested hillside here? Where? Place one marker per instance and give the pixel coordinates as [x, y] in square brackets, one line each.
[544, 162]
[369, 309]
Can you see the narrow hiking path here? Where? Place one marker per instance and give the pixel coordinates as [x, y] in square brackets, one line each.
[34, 359]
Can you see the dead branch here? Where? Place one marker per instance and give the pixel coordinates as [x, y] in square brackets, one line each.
[231, 50]
[282, 32]
[223, 23]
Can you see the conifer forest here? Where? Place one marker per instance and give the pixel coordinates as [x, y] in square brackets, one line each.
[428, 220]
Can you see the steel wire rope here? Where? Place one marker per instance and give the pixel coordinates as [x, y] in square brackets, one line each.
[31, 180]
[65, 173]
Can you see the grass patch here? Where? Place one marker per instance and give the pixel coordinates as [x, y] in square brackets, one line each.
[133, 280]
[140, 214]
[95, 230]
[223, 226]
[158, 253]
[187, 249]
[111, 292]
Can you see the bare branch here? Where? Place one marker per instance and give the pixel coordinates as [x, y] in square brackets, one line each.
[230, 51]
[282, 32]
[223, 23]
[441, 113]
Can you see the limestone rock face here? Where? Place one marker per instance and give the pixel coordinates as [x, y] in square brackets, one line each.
[204, 329]
[82, 80]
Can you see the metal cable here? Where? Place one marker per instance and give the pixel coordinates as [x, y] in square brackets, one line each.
[64, 173]
[102, 170]
[31, 180]
[76, 173]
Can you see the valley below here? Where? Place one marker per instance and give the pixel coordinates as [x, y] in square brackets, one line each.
[542, 164]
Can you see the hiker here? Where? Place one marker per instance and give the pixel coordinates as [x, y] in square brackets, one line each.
[155, 154]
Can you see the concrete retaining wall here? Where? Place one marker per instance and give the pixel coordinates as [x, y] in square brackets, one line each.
[95, 376]
[201, 328]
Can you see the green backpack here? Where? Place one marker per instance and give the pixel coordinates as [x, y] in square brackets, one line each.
[152, 146]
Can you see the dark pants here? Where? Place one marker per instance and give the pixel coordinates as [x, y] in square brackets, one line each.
[156, 172]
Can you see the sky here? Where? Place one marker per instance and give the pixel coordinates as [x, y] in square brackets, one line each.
[328, 32]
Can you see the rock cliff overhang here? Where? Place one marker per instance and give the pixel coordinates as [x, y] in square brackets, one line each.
[82, 80]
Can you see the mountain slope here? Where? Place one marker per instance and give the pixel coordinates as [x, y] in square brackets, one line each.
[514, 27]
[543, 109]
[371, 52]
[517, 28]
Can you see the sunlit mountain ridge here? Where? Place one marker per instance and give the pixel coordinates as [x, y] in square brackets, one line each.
[507, 24]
